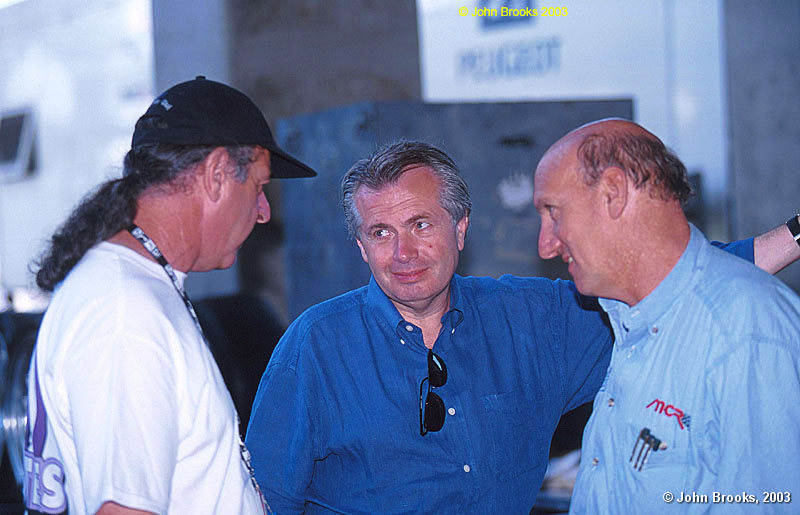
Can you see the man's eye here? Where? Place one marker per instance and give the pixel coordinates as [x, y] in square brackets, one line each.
[423, 225]
[380, 233]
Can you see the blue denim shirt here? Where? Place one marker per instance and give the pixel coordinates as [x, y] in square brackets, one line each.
[709, 363]
[335, 422]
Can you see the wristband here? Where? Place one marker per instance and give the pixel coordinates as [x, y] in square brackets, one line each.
[794, 227]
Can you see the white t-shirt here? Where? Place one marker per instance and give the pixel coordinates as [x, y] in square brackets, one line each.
[125, 401]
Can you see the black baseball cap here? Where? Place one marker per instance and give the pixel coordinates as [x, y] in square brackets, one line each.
[205, 112]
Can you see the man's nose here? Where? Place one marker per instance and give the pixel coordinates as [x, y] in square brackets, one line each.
[549, 244]
[264, 213]
[405, 248]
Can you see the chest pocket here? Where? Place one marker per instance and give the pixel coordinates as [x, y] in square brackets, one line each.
[517, 445]
[673, 428]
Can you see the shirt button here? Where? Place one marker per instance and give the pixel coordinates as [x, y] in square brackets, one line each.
[595, 461]
[611, 403]
[453, 331]
[402, 341]
[452, 411]
[466, 468]
[409, 328]
[654, 330]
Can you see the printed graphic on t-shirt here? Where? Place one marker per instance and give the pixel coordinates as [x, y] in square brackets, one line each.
[43, 486]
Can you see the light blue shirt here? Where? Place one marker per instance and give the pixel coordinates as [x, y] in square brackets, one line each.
[709, 363]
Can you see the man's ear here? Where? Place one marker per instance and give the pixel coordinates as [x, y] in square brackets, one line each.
[363, 252]
[615, 191]
[214, 171]
[461, 231]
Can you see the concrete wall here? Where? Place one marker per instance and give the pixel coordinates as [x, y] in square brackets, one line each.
[763, 57]
[190, 39]
[304, 56]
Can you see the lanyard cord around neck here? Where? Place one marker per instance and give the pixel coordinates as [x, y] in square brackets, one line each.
[154, 251]
[150, 246]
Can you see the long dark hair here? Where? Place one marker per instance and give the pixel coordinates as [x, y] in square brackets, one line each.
[112, 206]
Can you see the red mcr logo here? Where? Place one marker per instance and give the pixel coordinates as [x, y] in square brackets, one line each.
[668, 410]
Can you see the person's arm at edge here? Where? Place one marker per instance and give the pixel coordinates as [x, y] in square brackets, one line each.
[772, 251]
[112, 508]
[776, 249]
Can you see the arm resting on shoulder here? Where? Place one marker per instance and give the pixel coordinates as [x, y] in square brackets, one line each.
[776, 249]
[772, 251]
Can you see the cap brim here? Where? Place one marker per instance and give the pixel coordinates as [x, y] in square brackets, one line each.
[284, 166]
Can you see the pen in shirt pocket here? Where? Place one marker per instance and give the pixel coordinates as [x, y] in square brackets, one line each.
[645, 443]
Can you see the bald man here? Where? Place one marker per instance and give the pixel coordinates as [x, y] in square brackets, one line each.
[699, 405]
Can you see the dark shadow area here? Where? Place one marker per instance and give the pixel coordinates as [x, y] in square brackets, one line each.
[19, 332]
[242, 331]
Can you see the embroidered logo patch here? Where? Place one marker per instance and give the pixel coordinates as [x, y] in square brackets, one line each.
[669, 410]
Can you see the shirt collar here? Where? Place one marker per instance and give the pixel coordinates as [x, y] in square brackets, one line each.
[456, 311]
[658, 302]
[383, 307]
[380, 304]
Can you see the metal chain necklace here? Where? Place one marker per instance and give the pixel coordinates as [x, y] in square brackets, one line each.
[151, 247]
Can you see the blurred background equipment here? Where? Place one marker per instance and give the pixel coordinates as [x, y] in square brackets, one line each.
[14, 403]
[18, 330]
[17, 148]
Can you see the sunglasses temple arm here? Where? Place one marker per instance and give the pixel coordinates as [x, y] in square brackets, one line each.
[422, 430]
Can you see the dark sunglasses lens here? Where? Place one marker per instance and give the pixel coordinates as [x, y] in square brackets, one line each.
[437, 371]
[434, 412]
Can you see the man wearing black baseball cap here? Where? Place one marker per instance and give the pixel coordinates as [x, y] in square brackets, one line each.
[127, 410]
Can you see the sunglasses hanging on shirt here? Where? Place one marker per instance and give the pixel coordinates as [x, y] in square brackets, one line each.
[431, 411]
